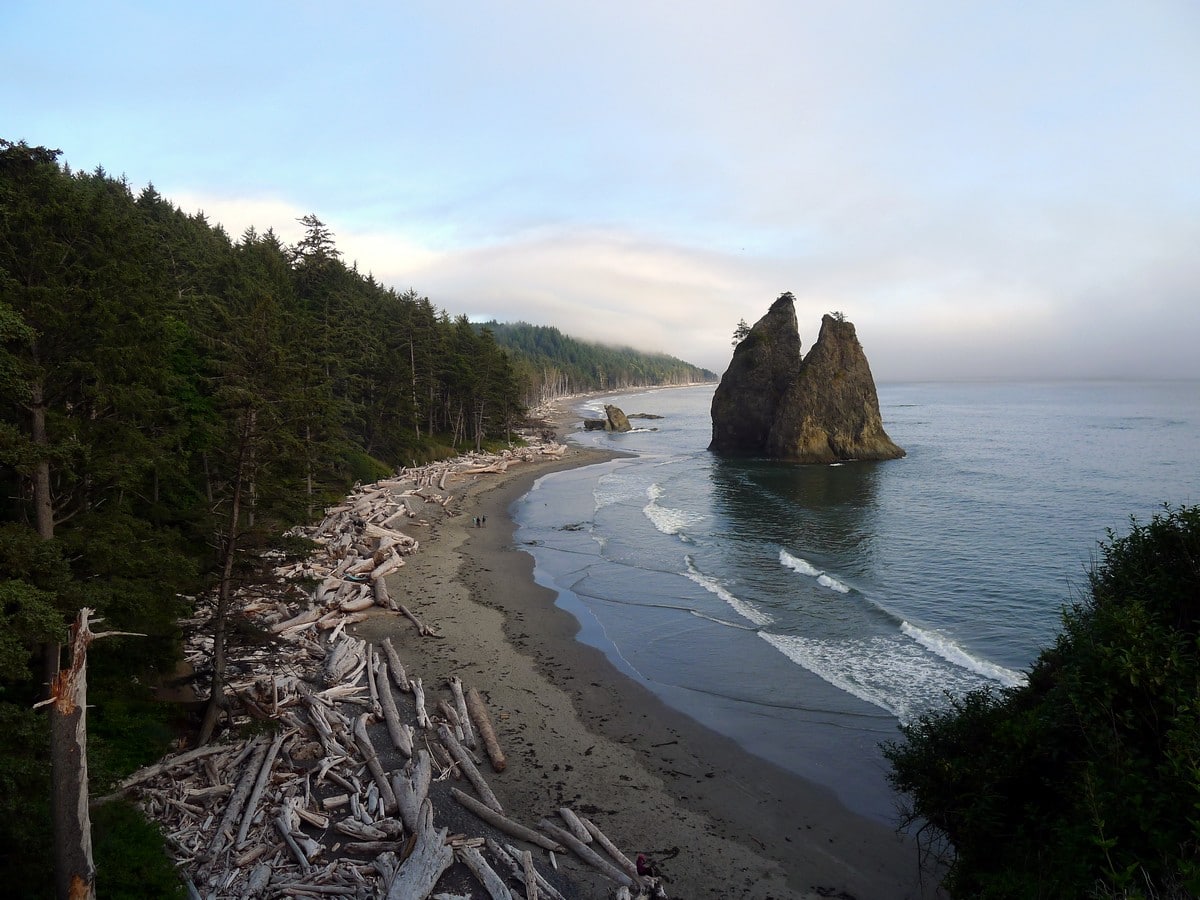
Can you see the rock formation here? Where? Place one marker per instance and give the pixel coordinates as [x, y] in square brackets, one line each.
[818, 408]
[614, 420]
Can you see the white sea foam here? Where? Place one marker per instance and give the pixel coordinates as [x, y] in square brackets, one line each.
[664, 518]
[614, 488]
[746, 610]
[952, 652]
[804, 567]
[796, 564]
[826, 580]
[892, 672]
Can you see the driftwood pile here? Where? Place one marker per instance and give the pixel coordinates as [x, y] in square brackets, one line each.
[339, 789]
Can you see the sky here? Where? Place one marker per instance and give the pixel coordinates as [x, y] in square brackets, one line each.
[986, 189]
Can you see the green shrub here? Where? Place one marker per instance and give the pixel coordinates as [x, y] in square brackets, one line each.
[1086, 781]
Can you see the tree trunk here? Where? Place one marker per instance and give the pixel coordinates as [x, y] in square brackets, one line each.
[74, 871]
[216, 701]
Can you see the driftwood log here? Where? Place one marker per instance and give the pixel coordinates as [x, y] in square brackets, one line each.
[483, 723]
[430, 857]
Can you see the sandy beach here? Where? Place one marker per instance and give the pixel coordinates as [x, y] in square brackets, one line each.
[717, 821]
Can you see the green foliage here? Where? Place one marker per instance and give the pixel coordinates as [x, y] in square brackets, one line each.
[175, 369]
[1086, 781]
[364, 468]
[741, 332]
[25, 830]
[131, 862]
[552, 364]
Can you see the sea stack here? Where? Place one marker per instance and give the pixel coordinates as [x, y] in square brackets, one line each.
[819, 408]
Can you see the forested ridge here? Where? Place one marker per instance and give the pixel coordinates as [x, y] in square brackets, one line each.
[172, 398]
[551, 364]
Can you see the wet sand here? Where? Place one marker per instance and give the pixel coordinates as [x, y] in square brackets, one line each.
[718, 822]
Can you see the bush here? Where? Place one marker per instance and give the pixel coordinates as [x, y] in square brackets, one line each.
[1086, 781]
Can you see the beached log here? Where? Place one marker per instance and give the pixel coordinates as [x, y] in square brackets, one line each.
[411, 787]
[531, 885]
[171, 762]
[610, 848]
[401, 733]
[304, 618]
[484, 873]
[575, 825]
[430, 857]
[442, 757]
[363, 740]
[502, 823]
[342, 658]
[257, 883]
[588, 855]
[260, 782]
[423, 720]
[358, 604]
[468, 768]
[385, 569]
[380, 592]
[237, 801]
[373, 848]
[395, 667]
[524, 859]
[359, 831]
[422, 629]
[456, 688]
[284, 826]
[483, 722]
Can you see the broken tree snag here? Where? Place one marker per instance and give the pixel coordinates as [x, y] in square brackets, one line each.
[74, 870]
[430, 857]
[483, 721]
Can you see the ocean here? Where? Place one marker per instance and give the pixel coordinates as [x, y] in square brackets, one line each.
[807, 611]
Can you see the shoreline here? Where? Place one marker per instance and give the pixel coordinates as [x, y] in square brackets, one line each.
[718, 821]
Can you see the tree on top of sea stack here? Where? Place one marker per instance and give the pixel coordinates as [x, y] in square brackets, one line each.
[819, 408]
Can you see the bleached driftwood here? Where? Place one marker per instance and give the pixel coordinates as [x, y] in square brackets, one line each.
[401, 733]
[587, 854]
[468, 768]
[485, 874]
[610, 848]
[430, 857]
[395, 667]
[575, 826]
[363, 740]
[456, 688]
[503, 823]
[412, 787]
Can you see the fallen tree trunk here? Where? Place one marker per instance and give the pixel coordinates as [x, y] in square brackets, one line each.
[503, 823]
[468, 768]
[483, 721]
